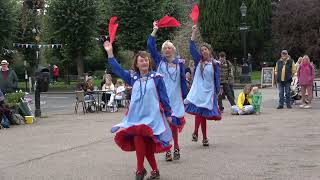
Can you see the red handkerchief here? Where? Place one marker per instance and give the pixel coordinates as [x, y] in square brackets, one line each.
[168, 21]
[113, 28]
[195, 14]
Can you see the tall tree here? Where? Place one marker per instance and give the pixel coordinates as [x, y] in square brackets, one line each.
[219, 23]
[8, 22]
[136, 17]
[73, 23]
[296, 28]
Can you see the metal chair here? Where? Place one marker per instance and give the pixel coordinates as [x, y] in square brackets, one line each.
[80, 98]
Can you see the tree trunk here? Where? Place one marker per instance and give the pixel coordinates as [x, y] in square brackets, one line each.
[80, 66]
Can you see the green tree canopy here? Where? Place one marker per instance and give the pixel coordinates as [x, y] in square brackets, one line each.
[74, 24]
[220, 20]
[8, 22]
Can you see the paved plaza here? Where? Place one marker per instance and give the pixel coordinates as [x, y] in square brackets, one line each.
[277, 144]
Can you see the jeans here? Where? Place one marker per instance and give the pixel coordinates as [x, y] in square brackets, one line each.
[227, 89]
[284, 92]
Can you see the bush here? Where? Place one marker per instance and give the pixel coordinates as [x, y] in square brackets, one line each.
[13, 99]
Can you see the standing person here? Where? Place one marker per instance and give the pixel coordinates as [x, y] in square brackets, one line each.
[145, 127]
[306, 75]
[8, 78]
[202, 97]
[191, 69]
[226, 81]
[56, 73]
[174, 78]
[284, 71]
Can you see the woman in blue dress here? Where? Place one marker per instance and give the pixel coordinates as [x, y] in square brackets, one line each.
[145, 128]
[202, 97]
[173, 71]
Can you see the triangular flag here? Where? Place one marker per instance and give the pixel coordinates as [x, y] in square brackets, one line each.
[168, 21]
[113, 28]
[195, 14]
[27, 45]
[52, 46]
[39, 46]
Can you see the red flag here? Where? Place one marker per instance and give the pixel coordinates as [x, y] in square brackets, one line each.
[195, 14]
[168, 21]
[113, 28]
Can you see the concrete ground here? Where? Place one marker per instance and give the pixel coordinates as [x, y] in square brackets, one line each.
[277, 144]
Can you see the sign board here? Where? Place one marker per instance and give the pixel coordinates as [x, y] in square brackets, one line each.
[267, 76]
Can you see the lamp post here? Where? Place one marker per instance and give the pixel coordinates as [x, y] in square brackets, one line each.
[244, 77]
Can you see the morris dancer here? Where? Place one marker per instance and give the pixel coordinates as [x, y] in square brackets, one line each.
[145, 128]
[172, 68]
[202, 99]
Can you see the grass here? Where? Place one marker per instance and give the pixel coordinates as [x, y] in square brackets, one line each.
[256, 75]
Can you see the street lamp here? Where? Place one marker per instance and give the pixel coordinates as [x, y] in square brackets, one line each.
[244, 77]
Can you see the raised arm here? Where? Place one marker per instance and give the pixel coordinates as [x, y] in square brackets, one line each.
[152, 47]
[115, 66]
[163, 96]
[193, 48]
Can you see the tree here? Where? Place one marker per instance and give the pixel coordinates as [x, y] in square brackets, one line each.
[8, 22]
[136, 18]
[219, 23]
[296, 28]
[73, 23]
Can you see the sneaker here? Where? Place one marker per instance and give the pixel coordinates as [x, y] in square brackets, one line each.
[141, 174]
[154, 175]
[302, 105]
[168, 156]
[307, 106]
[289, 106]
[176, 154]
[205, 142]
[194, 137]
[280, 107]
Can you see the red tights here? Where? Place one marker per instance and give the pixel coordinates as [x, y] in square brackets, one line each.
[174, 130]
[200, 120]
[144, 148]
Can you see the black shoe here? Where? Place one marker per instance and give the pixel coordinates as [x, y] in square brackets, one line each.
[289, 106]
[194, 137]
[205, 142]
[176, 154]
[280, 107]
[154, 175]
[168, 156]
[141, 175]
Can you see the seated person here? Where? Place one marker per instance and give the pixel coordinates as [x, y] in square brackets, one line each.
[244, 104]
[120, 91]
[109, 89]
[3, 110]
[1, 99]
[88, 89]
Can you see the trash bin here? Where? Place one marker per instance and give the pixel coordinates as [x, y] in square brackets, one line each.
[43, 79]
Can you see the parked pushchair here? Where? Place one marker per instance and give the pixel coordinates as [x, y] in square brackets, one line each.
[295, 91]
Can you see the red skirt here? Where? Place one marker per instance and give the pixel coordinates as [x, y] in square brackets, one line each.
[124, 138]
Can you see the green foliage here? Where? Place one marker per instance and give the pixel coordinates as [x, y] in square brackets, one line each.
[219, 23]
[8, 22]
[12, 99]
[73, 23]
[136, 18]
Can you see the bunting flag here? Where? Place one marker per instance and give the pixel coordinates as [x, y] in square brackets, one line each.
[195, 14]
[113, 28]
[34, 46]
[168, 21]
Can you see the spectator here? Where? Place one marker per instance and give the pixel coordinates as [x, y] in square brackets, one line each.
[120, 91]
[306, 75]
[8, 78]
[1, 99]
[227, 80]
[108, 87]
[284, 71]
[244, 105]
[56, 73]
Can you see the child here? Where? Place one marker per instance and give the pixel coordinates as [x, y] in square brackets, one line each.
[256, 99]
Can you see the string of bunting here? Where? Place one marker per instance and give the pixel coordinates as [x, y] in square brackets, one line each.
[32, 46]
